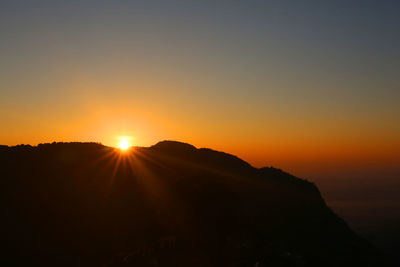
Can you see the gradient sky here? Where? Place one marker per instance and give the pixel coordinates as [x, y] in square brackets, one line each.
[307, 86]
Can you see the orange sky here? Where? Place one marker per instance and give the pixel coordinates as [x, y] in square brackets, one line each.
[273, 83]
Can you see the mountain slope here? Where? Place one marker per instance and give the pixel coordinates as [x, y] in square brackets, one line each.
[171, 204]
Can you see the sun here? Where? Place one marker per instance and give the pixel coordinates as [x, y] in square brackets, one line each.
[124, 145]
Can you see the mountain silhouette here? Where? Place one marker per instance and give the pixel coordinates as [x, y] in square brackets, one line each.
[171, 204]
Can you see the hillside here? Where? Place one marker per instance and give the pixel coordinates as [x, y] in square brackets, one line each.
[85, 204]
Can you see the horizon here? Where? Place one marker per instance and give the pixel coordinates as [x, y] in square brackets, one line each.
[266, 81]
[311, 88]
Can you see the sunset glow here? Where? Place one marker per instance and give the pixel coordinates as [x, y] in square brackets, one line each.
[131, 122]
[124, 145]
[270, 89]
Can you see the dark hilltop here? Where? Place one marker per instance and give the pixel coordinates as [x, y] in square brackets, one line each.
[85, 204]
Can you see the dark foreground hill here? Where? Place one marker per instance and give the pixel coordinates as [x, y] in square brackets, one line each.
[84, 204]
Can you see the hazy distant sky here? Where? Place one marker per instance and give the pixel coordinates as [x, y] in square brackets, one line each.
[274, 82]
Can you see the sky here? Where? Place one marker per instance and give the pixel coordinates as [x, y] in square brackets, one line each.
[312, 87]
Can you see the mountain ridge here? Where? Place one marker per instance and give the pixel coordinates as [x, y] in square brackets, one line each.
[171, 204]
